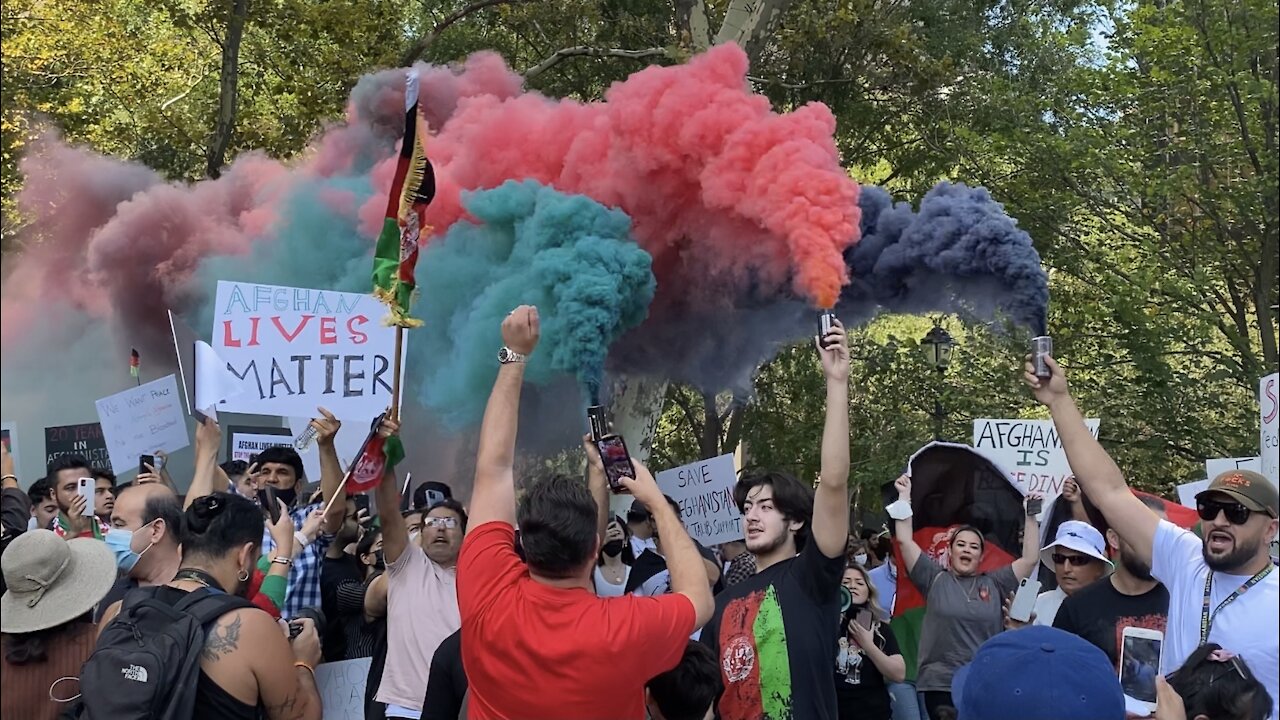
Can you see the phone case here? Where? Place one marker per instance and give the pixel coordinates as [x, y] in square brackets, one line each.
[86, 491]
[1024, 601]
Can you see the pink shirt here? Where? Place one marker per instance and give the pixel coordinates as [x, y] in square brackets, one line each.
[422, 610]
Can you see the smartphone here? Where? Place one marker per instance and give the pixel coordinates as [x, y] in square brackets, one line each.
[85, 488]
[362, 503]
[1140, 664]
[1024, 601]
[144, 461]
[267, 499]
[1034, 506]
[617, 461]
[863, 618]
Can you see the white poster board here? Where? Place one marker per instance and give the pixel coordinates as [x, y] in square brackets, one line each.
[1187, 492]
[1029, 450]
[341, 685]
[704, 490]
[348, 441]
[245, 443]
[1213, 467]
[296, 349]
[1269, 437]
[9, 436]
[142, 420]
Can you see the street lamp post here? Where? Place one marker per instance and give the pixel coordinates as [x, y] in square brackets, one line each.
[937, 345]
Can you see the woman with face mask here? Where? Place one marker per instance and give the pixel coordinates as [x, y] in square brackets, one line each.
[868, 658]
[613, 566]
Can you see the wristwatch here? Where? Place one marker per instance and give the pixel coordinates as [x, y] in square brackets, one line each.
[506, 355]
[899, 510]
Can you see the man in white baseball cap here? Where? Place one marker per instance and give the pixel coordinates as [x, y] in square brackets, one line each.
[1077, 557]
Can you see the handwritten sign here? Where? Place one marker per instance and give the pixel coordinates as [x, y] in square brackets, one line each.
[1029, 450]
[341, 685]
[244, 441]
[704, 490]
[1269, 437]
[142, 420]
[1213, 467]
[294, 349]
[9, 437]
[85, 440]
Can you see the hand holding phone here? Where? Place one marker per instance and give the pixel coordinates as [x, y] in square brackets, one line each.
[85, 489]
[1035, 504]
[1022, 608]
[146, 463]
[267, 499]
[616, 460]
[1140, 664]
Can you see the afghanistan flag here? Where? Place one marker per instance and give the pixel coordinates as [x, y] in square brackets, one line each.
[376, 455]
[952, 485]
[135, 362]
[404, 222]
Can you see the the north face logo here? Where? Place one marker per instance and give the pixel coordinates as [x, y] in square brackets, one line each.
[136, 673]
[1236, 480]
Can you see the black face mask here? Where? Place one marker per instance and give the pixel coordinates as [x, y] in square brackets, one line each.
[379, 560]
[288, 496]
[613, 547]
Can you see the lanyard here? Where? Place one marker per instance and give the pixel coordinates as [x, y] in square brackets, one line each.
[1206, 620]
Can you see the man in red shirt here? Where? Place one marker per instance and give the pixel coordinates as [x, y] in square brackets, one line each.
[536, 640]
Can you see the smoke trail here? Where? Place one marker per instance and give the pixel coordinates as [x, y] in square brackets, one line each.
[566, 254]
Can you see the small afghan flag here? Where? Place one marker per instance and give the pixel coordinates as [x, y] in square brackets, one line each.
[135, 362]
[377, 454]
[404, 222]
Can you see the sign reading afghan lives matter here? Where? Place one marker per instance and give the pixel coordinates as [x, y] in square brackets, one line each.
[84, 440]
[297, 349]
[142, 420]
[1029, 450]
[243, 441]
[704, 490]
[1269, 437]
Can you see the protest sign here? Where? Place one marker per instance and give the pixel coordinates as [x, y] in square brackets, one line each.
[704, 490]
[1187, 492]
[245, 441]
[1269, 437]
[341, 685]
[9, 437]
[84, 440]
[348, 441]
[142, 420]
[295, 349]
[1213, 467]
[1029, 450]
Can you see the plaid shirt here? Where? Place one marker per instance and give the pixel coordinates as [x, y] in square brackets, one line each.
[304, 577]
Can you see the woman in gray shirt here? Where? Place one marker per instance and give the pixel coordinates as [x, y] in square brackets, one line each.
[963, 606]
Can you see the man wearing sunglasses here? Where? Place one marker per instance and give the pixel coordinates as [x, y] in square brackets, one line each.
[1222, 587]
[1077, 558]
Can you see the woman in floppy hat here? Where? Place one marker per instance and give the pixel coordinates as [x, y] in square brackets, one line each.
[46, 618]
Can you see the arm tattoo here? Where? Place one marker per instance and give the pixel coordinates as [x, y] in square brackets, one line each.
[286, 708]
[221, 643]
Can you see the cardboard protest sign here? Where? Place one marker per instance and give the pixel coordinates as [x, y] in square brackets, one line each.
[206, 380]
[142, 420]
[1187, 492]
[1213, 467]
[245, 441]
[85, 440]
[1269, 436]
[341, 685]
[1029, 450]
[9, 437]
[348, 441]
[704, 490]
[294, 349]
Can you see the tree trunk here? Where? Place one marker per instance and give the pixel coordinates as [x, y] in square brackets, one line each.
[227, 89]
[692, 25]
[750, 24]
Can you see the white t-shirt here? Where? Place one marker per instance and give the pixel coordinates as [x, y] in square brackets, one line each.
[1249, 626]
[1047, 604]
[604, 588]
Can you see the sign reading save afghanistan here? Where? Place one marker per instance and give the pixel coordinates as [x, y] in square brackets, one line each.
[296, 349]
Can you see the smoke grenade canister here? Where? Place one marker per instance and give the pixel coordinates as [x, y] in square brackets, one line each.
[1041, 347]
[599, 424]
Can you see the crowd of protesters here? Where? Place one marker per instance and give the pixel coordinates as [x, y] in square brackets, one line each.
[542, 604]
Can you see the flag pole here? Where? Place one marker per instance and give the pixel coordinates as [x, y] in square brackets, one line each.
[395, 378]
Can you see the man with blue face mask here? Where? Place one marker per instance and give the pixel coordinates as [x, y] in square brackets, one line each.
[145, 535]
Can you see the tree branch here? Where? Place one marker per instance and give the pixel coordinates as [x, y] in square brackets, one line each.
[420, 45]
[584, 51]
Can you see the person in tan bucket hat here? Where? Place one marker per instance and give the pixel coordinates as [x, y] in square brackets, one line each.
[46, 619]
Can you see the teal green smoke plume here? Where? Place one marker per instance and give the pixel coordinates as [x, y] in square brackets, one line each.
[567, 254]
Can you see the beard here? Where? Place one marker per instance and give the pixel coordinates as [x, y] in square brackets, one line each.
[766, 544]
[1136, 567]
[1241, 554]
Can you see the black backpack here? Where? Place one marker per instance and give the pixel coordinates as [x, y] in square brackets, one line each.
[147, 661]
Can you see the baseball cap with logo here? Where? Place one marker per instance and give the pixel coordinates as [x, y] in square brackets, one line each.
[1249, 488]
[1038, 673]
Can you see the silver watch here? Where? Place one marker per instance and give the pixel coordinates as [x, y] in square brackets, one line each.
[507, 355]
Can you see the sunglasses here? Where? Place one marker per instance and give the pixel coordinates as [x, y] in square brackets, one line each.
[1236, 513]
[1075, 560]
[441, 522]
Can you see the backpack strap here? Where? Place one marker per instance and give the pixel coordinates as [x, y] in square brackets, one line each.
[205, 605]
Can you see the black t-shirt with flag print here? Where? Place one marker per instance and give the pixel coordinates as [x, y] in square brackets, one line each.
[775, 637]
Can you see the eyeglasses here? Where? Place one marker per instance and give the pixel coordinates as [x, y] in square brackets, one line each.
[441, 522]
[1236, 513]
[1075, 560]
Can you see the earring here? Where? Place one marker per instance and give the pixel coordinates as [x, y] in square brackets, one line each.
[243, 576]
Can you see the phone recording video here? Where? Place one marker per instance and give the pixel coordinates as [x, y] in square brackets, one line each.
[617, 461]
[863, 618]
[144, 461]
[1140, 664]
[1034, 506]
[267, 499]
